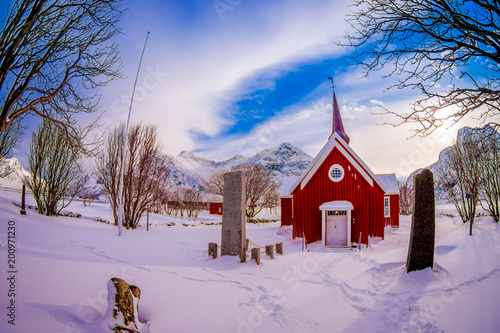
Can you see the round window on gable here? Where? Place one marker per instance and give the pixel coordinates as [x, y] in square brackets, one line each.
[336, 173]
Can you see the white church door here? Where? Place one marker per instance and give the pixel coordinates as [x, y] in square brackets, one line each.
[336, 223]
[336, 228]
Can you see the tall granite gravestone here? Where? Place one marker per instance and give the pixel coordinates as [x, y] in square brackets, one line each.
[233, 215]
[423, 223]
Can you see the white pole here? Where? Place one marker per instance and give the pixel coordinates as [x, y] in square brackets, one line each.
[124, 148]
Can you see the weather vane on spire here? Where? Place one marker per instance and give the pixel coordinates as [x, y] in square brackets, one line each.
[332, 78]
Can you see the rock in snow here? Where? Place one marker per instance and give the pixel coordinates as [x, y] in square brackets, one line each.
[123, 300]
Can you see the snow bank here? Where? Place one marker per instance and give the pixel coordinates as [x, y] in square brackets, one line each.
[63, 265]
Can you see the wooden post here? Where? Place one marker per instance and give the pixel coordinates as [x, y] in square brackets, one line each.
[279, 248]
[256, 255]
[23, 203]
[243, 255]
[270, 251]
[212, 250]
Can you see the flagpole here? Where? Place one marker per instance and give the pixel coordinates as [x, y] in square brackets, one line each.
[124, 148]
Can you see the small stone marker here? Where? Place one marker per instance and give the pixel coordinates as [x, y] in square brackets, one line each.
[123, 299]
[23, 202]
[212, 250]
[279, 248]
[423, 223]
[270, 251]
[233, 215]
[255, 255]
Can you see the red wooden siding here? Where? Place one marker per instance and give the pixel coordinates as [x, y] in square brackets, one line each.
[286, 211]
[393, 221]
[215, 208]
[368, 202]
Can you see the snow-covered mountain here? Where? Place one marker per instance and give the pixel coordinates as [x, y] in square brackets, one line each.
[189, 170]
[442, 162]
[12, 173]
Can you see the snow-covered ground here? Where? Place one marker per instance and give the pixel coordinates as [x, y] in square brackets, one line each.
[63, 265]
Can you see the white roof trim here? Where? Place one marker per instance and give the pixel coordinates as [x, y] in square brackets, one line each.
[337, 205]
[335, 141]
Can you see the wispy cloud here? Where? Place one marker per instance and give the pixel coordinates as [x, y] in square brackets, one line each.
[211, 62]
[304, 128]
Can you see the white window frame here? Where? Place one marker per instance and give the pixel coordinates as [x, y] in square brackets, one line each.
[336, 166]
[387, 206]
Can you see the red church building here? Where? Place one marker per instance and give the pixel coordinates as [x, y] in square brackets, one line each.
[338, 200]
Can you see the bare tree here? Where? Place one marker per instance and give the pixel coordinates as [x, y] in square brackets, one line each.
[426, 42]
[142, 181]
[54, 55]
[260, 189]
[489, 164]
[460, 176]
[405, 198]
[215, 183]
[56, 175]
[108, 166]
[160, 205]
[9, 139]
[88, 198]
[142, 176]
[192, 201]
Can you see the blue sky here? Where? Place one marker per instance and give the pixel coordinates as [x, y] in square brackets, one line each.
[229, 77]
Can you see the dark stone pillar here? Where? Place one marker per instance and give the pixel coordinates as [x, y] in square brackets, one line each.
[23, 201]
[423, 223]
[233, 236]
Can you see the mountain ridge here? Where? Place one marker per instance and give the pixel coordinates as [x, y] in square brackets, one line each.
[187, 170]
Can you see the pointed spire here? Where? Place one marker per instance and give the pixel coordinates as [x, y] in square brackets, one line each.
[337, 125]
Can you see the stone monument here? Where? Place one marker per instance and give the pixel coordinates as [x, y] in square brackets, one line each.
[233, 236]
[423, 223]
[23, 201]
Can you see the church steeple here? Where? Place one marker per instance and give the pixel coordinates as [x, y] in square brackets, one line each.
[337, 125]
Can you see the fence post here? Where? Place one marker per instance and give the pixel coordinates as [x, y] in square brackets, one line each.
[279, 248]
[270, 251]
[256, 255]
[212, 250]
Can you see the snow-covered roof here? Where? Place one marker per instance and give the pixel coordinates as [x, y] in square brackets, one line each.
[337, 205]
[389, 183]
[287, 182]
